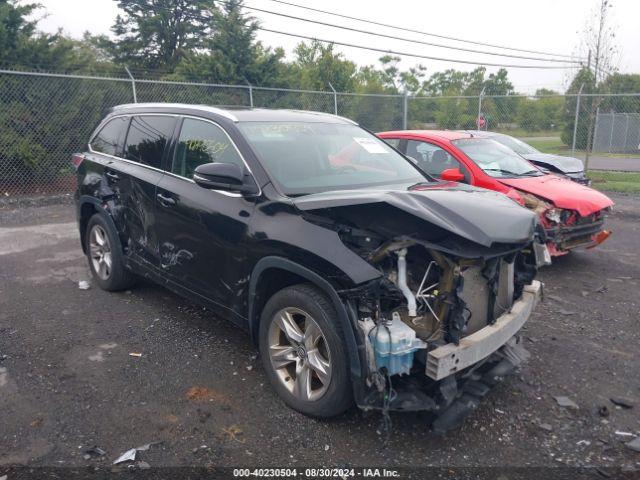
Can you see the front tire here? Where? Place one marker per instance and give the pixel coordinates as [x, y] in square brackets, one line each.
[303, 352]
[104, 255]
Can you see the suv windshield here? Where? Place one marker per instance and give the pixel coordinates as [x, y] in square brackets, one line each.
[496, 159]
[306, 157]
[514, 144]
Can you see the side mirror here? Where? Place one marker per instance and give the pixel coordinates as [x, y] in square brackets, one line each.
[223, 176]
[452, 175]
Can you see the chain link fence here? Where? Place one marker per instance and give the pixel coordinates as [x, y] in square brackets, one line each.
[617, 132]
[44, 118]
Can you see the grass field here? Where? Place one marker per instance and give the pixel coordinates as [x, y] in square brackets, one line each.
[549, 145]
[554, 145]
[625, 182]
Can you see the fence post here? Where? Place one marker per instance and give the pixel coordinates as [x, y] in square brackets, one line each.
[595, 128]
[480, 110]
[575, 121]
[405, 110]
[250, 92]
[133, 84]
[335, 99]
[626, 133]
[613, 122]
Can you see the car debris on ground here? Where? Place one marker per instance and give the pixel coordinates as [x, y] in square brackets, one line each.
[622, 402]
[130, 455]
[95, 450]
[634, 444]
[565, 402]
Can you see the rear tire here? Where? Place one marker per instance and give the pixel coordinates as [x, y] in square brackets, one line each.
[303, 352]
[104, 254]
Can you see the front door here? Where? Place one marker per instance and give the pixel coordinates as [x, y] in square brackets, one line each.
[433, 159]
[202, 232]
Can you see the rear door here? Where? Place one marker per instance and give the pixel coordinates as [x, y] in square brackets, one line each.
[202, 232]
[144, 149]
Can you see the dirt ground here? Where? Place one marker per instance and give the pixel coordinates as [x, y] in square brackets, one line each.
[68, 380]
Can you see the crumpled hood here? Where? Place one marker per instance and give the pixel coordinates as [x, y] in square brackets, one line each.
[478, 215]
[562, 192]
[564, 164]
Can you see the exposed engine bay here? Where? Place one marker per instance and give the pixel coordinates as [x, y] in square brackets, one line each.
[436, 289]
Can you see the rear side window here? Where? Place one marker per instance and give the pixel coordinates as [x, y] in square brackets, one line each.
[147, 138]
[394, 142]
[109, 139]
[202, 142]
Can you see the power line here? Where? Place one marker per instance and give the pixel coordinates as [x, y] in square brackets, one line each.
[404, 39]
[415, 55]
[374, 49]
[421, 32]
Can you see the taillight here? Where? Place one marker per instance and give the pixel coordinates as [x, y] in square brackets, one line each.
[77, 159]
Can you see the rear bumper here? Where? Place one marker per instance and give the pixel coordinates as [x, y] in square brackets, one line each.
[451, 358]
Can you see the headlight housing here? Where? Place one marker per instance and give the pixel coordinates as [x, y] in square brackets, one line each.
[553, 214]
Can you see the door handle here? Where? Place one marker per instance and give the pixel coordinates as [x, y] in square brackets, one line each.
[165, 201]
[112, 175]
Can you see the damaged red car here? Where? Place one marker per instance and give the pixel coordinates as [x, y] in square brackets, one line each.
[572, 215]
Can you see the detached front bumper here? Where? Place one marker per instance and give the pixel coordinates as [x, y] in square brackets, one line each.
[451, 358]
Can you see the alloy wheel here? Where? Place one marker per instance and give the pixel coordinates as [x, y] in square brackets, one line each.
[100, 252]
[299, 354]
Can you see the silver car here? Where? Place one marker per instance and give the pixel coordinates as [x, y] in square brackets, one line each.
[570, 167]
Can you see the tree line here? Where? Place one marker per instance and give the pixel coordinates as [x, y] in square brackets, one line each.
[215, 42]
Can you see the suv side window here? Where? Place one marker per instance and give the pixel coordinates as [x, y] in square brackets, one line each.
[148, 135]
[109, 139]
[433, 159]
[202, 142]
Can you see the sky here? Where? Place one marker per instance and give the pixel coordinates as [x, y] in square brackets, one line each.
[544, 25]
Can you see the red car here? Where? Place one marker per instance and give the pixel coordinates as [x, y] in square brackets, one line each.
[572, 215]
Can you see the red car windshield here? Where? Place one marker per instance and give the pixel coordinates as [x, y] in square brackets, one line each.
[495, 159]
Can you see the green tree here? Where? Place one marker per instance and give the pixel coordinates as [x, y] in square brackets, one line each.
[231, 54]
[157, 34]
[16, 30]
[541, 112]
[621, 83]
[316, 65]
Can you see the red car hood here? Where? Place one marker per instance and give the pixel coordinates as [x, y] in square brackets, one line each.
[563, 193]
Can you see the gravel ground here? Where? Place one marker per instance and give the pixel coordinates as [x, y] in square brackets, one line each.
[68, 381]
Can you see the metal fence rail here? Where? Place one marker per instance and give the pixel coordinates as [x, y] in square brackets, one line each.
[44, 118]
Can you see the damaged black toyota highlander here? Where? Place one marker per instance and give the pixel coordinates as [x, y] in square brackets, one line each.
[359, 278]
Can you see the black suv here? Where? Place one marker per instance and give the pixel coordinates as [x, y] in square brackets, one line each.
[357, 276]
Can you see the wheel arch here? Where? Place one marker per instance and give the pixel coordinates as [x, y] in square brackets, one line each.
[289, 273]
[87, 207]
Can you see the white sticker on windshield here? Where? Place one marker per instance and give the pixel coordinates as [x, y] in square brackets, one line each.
[370, 145]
